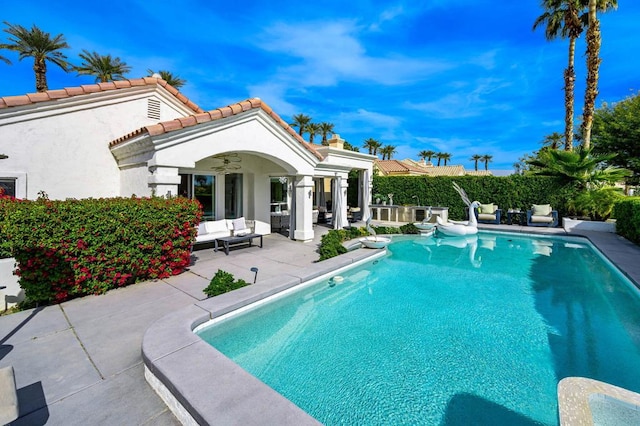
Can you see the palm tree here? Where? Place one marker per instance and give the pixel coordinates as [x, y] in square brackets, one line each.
[300, 121]
[446, 157]
[325, 129]
[552, 141]
[388, 151]
[487, 159]
[594, 38]
[426, 154]
[167, 76]
[475, 158]
[566, 18]
[313, 129]
[103, 67]
[438, 155]
[40, 46]
[372, 145]
[562, 20]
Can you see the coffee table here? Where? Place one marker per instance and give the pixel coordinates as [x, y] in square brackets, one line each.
[235, 240]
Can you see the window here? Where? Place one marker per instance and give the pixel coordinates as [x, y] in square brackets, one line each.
[8, 185]
[204, 190]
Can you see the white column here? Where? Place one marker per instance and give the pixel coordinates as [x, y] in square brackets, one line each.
[304, 208]
[164, 180]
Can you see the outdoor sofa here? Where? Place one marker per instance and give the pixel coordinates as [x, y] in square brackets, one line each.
[210, 230]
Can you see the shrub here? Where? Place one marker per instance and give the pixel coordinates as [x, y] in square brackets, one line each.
[627, 214]
[223, 282]
[66, 249]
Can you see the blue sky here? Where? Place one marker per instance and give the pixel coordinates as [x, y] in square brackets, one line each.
[465, 77]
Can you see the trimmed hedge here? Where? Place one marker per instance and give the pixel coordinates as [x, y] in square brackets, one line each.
[514, 191]
[627, 214]
[331, 242]
[66, 249]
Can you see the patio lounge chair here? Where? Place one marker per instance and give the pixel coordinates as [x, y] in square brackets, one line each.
[542, 215]
[488, 213]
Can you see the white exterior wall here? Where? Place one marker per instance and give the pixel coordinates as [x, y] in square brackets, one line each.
[61, 147]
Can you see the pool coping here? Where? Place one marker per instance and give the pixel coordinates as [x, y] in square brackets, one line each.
[574, 394]
[202, 386]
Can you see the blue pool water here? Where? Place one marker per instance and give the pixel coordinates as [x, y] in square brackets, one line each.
[448, 331]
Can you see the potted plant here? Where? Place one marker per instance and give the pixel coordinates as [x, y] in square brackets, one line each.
[380, 198]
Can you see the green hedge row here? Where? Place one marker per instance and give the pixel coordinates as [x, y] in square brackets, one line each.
[514, 191]
[331, 242]
[71, 248]
[627, 214]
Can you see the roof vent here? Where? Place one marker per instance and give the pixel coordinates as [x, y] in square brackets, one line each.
[153, 109]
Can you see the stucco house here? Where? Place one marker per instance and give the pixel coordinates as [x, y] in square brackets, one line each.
[142, 137]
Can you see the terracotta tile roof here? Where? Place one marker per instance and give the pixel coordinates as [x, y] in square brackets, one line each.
[396, 167]
[216, 114]
[479, 173]
[52, 95]
[446, 171]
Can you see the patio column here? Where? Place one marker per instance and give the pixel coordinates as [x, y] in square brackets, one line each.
[303, 208]
[164, 180]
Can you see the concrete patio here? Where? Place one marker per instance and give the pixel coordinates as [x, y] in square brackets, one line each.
[80, 362]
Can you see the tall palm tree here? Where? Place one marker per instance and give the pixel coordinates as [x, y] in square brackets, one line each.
[594, 39]
[487, 159]
[325, 129]
[475, 158]
[372, 145]
[300, 121]
[567, 19]
[169, 77]
[40, 46]
[313, 129]
[388, 151]
[446, 157]
[439, 155]
[562, 19]
[103, 67]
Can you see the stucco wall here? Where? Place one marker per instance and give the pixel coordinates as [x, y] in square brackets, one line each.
[63, 147]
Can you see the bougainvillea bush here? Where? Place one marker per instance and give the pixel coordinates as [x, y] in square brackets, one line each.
[66, 249]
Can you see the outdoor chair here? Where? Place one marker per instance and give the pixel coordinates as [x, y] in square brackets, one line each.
[542, 215]
[488, 213]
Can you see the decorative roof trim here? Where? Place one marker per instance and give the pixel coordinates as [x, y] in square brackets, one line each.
[213, 115]
[53, 95]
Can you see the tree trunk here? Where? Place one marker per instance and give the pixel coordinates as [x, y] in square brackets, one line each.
[569, 89]
[40, 69]
[593, 66]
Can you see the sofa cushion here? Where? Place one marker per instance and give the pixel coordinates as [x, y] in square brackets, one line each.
[487, 208]
[484, 216]
[216, 226]
[541, 209]
[541, 219]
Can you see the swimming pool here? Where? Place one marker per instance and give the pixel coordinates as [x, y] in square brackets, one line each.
[448, 331]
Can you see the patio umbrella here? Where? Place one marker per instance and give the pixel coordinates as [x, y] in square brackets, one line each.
[339, 219]
[366, 197]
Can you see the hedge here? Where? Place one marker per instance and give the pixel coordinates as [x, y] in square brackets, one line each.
[627, 214]
[66, 249]
[514, 191]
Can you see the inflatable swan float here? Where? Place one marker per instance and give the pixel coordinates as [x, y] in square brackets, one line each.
[457, 229]
[373, 241]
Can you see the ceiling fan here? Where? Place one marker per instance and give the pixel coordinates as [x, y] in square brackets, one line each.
[226, 162]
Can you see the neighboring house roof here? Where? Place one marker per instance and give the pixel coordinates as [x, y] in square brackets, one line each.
[53, 95]
[411, 167]
[396, 167]
[216, 114]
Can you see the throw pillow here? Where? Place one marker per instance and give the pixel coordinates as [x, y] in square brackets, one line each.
[239, 225]
[541, 210]
[487, 209]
